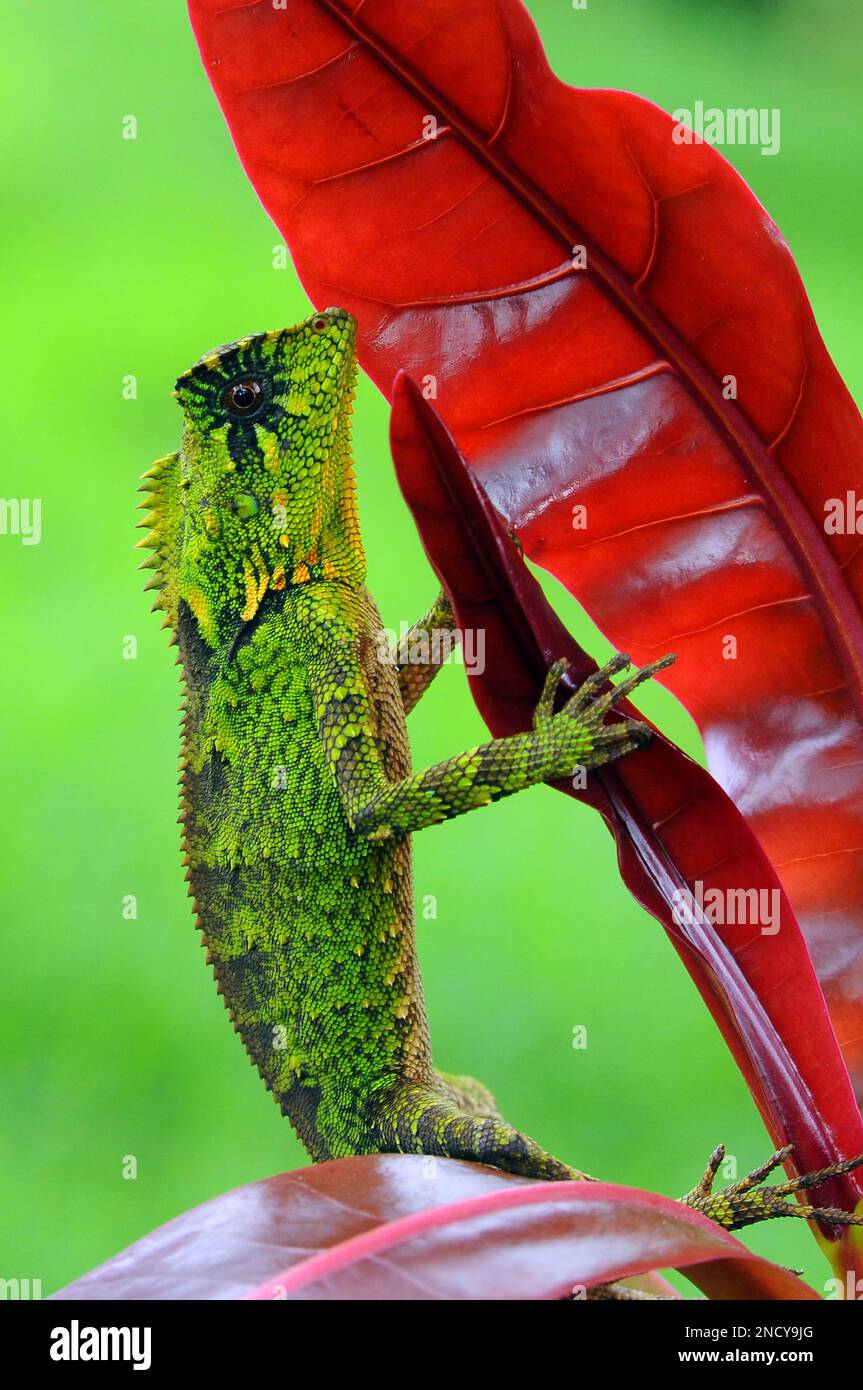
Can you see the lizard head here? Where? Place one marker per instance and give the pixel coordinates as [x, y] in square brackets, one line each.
[261, 494]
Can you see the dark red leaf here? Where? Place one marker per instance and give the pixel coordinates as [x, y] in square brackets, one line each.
[431, 174]
[399, 1226]
[672, 822]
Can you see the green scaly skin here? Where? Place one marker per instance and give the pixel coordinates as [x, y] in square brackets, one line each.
[298, 798]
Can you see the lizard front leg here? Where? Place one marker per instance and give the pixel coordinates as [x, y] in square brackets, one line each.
[558, 743]
[419, 655]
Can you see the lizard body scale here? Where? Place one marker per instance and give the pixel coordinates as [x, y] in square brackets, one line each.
[298, 798]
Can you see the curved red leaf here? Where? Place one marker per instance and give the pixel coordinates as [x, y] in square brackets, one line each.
[431, 174]
[673, 824]
[399, 1226]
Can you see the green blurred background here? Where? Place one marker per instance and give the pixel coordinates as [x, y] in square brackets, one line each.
[132, 257]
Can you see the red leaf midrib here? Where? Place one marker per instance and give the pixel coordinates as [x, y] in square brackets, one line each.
[824, 578]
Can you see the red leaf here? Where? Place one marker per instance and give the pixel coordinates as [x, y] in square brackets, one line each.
[389, 1226]
[606, 386]
[672, 822]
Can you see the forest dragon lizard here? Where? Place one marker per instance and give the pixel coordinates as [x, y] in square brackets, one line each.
[298, 799]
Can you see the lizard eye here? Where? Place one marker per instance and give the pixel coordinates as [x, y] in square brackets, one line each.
[320, 323]
[243, 398]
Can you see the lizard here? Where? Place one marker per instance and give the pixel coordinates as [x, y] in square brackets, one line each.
[298, 800]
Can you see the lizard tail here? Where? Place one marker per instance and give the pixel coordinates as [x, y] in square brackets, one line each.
[417, 1119]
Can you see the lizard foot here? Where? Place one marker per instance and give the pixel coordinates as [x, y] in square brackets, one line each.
[578, 732]
[747, 1201]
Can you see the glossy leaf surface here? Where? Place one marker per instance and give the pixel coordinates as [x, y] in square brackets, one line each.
[398, 1226]
[760, 987]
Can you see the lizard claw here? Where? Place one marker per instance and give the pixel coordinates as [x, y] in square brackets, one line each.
[577, 736]
[588, 692]
[545, 705]
[621, 735]
[619, 692]
[746, 1201]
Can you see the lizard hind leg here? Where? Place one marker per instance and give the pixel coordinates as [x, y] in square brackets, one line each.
[469, 1095]
[418, 1119]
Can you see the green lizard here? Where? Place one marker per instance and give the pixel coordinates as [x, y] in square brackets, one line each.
[298, 798]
